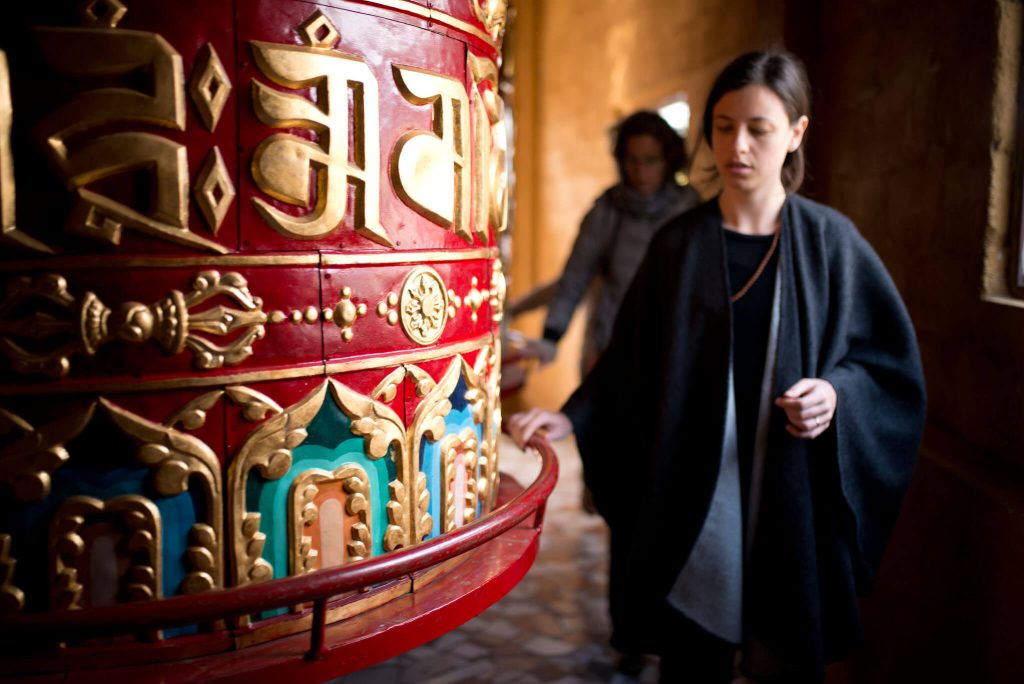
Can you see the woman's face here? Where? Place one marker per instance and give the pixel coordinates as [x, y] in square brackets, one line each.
[751, 136]
[644, 164]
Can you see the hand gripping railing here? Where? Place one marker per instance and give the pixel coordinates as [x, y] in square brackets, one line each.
[318, 586]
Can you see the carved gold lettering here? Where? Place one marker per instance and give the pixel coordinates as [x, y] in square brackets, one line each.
[81, 157]
[430, 169]
[282, 162]
[8, 230]
[490, 193]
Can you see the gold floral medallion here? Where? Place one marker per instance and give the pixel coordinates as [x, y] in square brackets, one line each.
[423, 305]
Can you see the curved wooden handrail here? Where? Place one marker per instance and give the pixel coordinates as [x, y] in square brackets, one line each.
[318, 586]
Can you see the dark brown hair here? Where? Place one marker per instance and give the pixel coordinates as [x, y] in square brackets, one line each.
[673, 147]
[783, 74]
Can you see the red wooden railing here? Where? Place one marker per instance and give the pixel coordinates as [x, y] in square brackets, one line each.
[317, 587]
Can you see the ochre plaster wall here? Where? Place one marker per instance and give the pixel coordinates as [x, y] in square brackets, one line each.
[903, 141]
[594, 63]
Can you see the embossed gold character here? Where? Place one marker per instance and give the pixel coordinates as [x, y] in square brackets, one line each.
[490, 185]
[430, 170]
[8, 230]
[85, 140]
[282, 163]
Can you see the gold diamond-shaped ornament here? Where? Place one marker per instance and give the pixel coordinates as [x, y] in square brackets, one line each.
[319, 32]
[210, 86]
[102, 13]
[214, 190]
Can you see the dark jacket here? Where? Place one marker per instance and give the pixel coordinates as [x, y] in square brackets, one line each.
[649, 422]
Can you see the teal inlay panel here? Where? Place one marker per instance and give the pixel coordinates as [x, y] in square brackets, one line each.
[30, 525]
[430, 458]
[329, 446]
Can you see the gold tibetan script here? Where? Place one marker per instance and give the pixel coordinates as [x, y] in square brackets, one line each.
[490, 196]
[282, 162]
[9, 232]
[78, 139]
[430, 170]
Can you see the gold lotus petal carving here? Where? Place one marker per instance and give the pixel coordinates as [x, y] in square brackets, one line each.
[255, 405]
[423, 382]
[192, 415]
[176, 460]
[387, 389]
[268, 451]
[31, 455]
[380, 427]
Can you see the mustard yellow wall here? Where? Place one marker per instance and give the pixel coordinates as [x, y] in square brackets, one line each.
[580, 66]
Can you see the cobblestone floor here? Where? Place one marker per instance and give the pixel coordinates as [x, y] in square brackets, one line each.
[552, 627]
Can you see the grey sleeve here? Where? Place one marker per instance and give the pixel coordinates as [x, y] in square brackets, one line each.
[588, 251]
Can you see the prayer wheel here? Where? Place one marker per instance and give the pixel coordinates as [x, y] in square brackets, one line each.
[251, 294]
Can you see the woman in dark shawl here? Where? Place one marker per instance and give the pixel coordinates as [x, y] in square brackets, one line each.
[752, 428]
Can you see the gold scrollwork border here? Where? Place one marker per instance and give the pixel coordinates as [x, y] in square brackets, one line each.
[28, 462]
[141, 519]
[12, 599]
[267, 450]
[176, 458]
[466, 444]
[303, 513]
[381, 429]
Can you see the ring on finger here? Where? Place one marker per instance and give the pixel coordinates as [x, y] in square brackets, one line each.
[817, 423]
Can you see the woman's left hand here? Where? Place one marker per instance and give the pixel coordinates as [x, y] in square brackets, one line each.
[810, 405]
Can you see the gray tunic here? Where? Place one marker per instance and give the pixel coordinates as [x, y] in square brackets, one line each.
[609, 248]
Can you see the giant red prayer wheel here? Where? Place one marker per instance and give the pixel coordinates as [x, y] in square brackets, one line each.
[251, 290]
